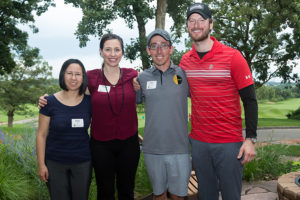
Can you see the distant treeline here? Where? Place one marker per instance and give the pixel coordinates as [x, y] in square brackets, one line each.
[277, 92]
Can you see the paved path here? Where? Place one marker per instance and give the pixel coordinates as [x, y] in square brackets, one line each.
[277, 134]
[267, 190]
[21, 121]
[261, 190]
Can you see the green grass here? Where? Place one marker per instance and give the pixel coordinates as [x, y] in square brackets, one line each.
[277, 110]
[28, 166]
[270, 114]
[19, 129]
[18, 116]
[19, 144]
[274, 122]
[14, 184]
[268, 164]
[274, 113]
[286, 150]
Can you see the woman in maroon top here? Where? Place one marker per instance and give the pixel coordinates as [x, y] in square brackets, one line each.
[114, 140]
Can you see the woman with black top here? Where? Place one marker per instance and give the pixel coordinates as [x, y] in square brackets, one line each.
[62, 141]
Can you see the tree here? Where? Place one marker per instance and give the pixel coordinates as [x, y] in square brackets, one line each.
[98, 14]
[267, 33]
[24, 84]
[12, 38]
[160, 14]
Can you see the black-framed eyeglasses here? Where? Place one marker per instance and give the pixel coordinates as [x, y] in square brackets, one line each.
[155, 46]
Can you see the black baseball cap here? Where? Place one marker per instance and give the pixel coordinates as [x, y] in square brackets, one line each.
[161, 33]
[199, 8]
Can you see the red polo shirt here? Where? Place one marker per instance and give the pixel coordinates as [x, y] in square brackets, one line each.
[214, 83]
[105, 125]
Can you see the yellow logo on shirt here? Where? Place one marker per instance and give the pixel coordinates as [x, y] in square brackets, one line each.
[177, 79]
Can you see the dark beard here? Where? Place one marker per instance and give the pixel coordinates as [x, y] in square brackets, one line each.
[201, 38]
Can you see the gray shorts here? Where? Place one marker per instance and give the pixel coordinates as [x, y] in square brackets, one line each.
[169, 172]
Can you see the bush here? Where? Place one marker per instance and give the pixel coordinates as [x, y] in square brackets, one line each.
[19, 142]
[267, 164]
[140, 108]
[294, 114]
[20, 152]
[13, 184]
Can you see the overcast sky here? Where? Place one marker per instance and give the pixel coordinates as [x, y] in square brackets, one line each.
[57, 41]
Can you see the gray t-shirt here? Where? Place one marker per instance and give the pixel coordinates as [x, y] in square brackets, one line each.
[165, 95]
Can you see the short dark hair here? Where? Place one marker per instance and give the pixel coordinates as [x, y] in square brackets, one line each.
[111, 36]
[61, 80]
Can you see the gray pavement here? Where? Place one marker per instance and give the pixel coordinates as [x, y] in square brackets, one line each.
[21, 121]
[277, 134]
[260, 190]
[267, 190]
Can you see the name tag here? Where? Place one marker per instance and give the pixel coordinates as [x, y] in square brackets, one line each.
[151, 85]
[103, 88]
[77, 123]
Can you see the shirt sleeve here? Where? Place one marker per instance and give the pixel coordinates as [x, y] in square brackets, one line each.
[248, 97]
[240, 71]
[185, 79]
[46, 109]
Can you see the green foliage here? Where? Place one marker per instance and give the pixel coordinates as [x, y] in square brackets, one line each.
[31, 112]
[13, 184]
[266, 32]
[24, 84]
[140, 108]
[12, 38]
[176, 56]
[268, 165]
[294, 114]
[177, 11]
[19, 146]
[97, 15]
[286, 150]
[21, 161]
[277, 92]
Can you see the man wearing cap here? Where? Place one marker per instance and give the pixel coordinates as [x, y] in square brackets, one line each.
[166, 148]
[218, 77]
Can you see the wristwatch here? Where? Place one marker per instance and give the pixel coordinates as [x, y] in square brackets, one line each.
[253, 140]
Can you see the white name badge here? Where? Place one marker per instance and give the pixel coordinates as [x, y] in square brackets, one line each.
[151, 85]
[103, 88]
[76, 123]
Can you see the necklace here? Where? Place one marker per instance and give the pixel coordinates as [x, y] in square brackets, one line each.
[114, 85]
[108, 97]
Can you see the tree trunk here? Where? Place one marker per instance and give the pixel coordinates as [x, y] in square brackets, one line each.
[142, 39]
[160, 14]
[10, 115]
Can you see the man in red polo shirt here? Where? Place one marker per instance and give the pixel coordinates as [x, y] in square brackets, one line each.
[218, 77]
